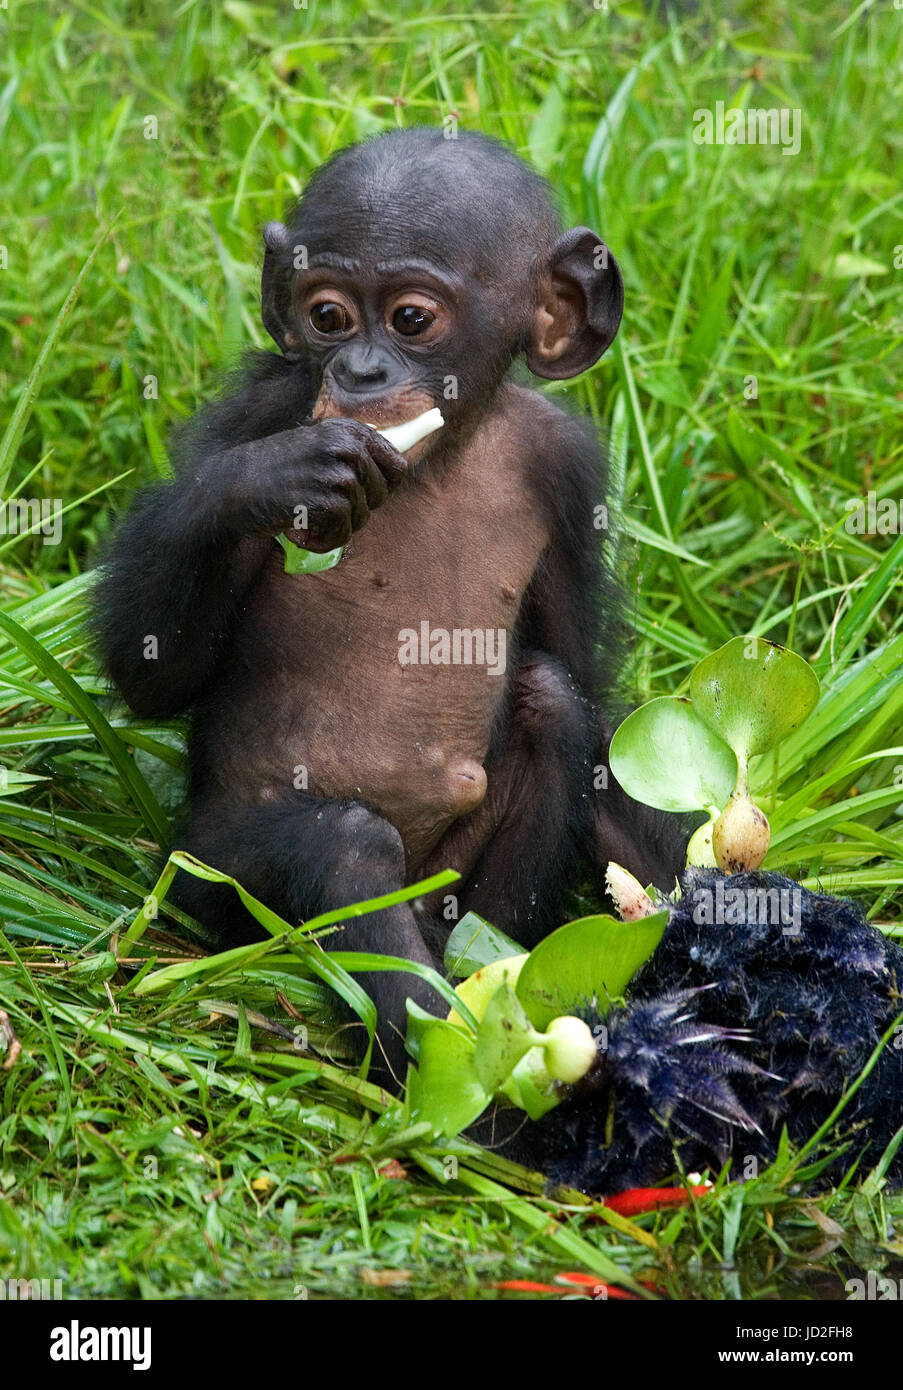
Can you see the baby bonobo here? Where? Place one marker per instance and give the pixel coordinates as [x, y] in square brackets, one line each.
[429, 702]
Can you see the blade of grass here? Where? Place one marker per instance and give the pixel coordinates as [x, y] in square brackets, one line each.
[138, 788]
[12, 435]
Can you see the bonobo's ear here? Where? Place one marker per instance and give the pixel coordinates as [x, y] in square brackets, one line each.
[276, 288]
[580, 309]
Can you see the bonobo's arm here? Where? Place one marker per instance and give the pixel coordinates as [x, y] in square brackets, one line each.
[569, 610]
[575, 612]
[187, 553]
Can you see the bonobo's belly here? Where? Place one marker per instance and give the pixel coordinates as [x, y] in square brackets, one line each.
[384, 675]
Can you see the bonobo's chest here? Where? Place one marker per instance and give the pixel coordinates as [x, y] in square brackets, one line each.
[389, 669]
[451, 551]
[453, 548]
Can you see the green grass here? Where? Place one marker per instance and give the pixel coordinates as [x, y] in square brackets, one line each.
[173, 1155]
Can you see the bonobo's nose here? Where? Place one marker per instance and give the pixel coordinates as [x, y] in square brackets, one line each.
[359, 367]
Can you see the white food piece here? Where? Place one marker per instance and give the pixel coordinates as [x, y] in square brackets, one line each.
[410, 432]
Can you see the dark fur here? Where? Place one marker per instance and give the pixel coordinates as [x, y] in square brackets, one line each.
[679, 1081]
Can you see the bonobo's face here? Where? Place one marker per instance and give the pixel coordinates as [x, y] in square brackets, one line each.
[415, 269]
[395, 313]
[386, 334]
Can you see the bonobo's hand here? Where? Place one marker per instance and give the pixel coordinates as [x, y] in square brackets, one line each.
[317, 483]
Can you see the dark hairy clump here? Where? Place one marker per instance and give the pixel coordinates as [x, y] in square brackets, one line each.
[733, 1031]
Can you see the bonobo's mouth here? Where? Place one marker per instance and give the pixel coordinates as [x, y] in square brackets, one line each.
[382, 412]
[379, 411]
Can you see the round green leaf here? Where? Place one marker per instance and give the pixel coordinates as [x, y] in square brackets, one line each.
[665, 756]
[419, 1021]
[94, 969]
[475, 943]
[753, 693]
[590, 960]
[301, 561]
[477, 990]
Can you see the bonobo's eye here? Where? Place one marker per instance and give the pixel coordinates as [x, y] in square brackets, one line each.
[329, 317]
[410, 320]
[415, 313]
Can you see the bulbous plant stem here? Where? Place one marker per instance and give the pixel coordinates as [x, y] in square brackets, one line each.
[700, 853]
[627, 893]
[741, 834]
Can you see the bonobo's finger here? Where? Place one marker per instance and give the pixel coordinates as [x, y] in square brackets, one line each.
[376, 489]
[370, 444]
[391, 464]
[357, 499]
[359, 444]
[329, 530]
[344, 490]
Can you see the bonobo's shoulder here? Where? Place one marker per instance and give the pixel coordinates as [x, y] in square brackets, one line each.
[263, 395]
[561, 444]
[553, 422]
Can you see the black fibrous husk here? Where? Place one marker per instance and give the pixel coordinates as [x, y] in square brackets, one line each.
[734, 1029]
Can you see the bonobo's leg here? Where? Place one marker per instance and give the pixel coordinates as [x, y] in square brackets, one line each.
[302, 856]
[650, 844]
[543, 815]
[520, 850]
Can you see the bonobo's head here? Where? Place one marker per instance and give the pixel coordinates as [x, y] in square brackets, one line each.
[415, 269]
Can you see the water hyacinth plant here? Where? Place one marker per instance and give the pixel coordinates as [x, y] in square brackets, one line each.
[693, 753]
[521, 1037]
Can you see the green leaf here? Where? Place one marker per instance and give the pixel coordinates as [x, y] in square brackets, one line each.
[300, 561]
[666, 384]
[475, 943]
[665, 756]
[504, 1035]
[753, 693]
[590, 961]
[712, 325]
[82, 704]
[752, 445]
[444, 1089]
[11, 782]
[18, 420]
[478, 989]
[94, 969]
[326, 966]
[419, 1020]
[544, 135]
[606, 133]
[190, 298]
[155, 444]
[530, 1087]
